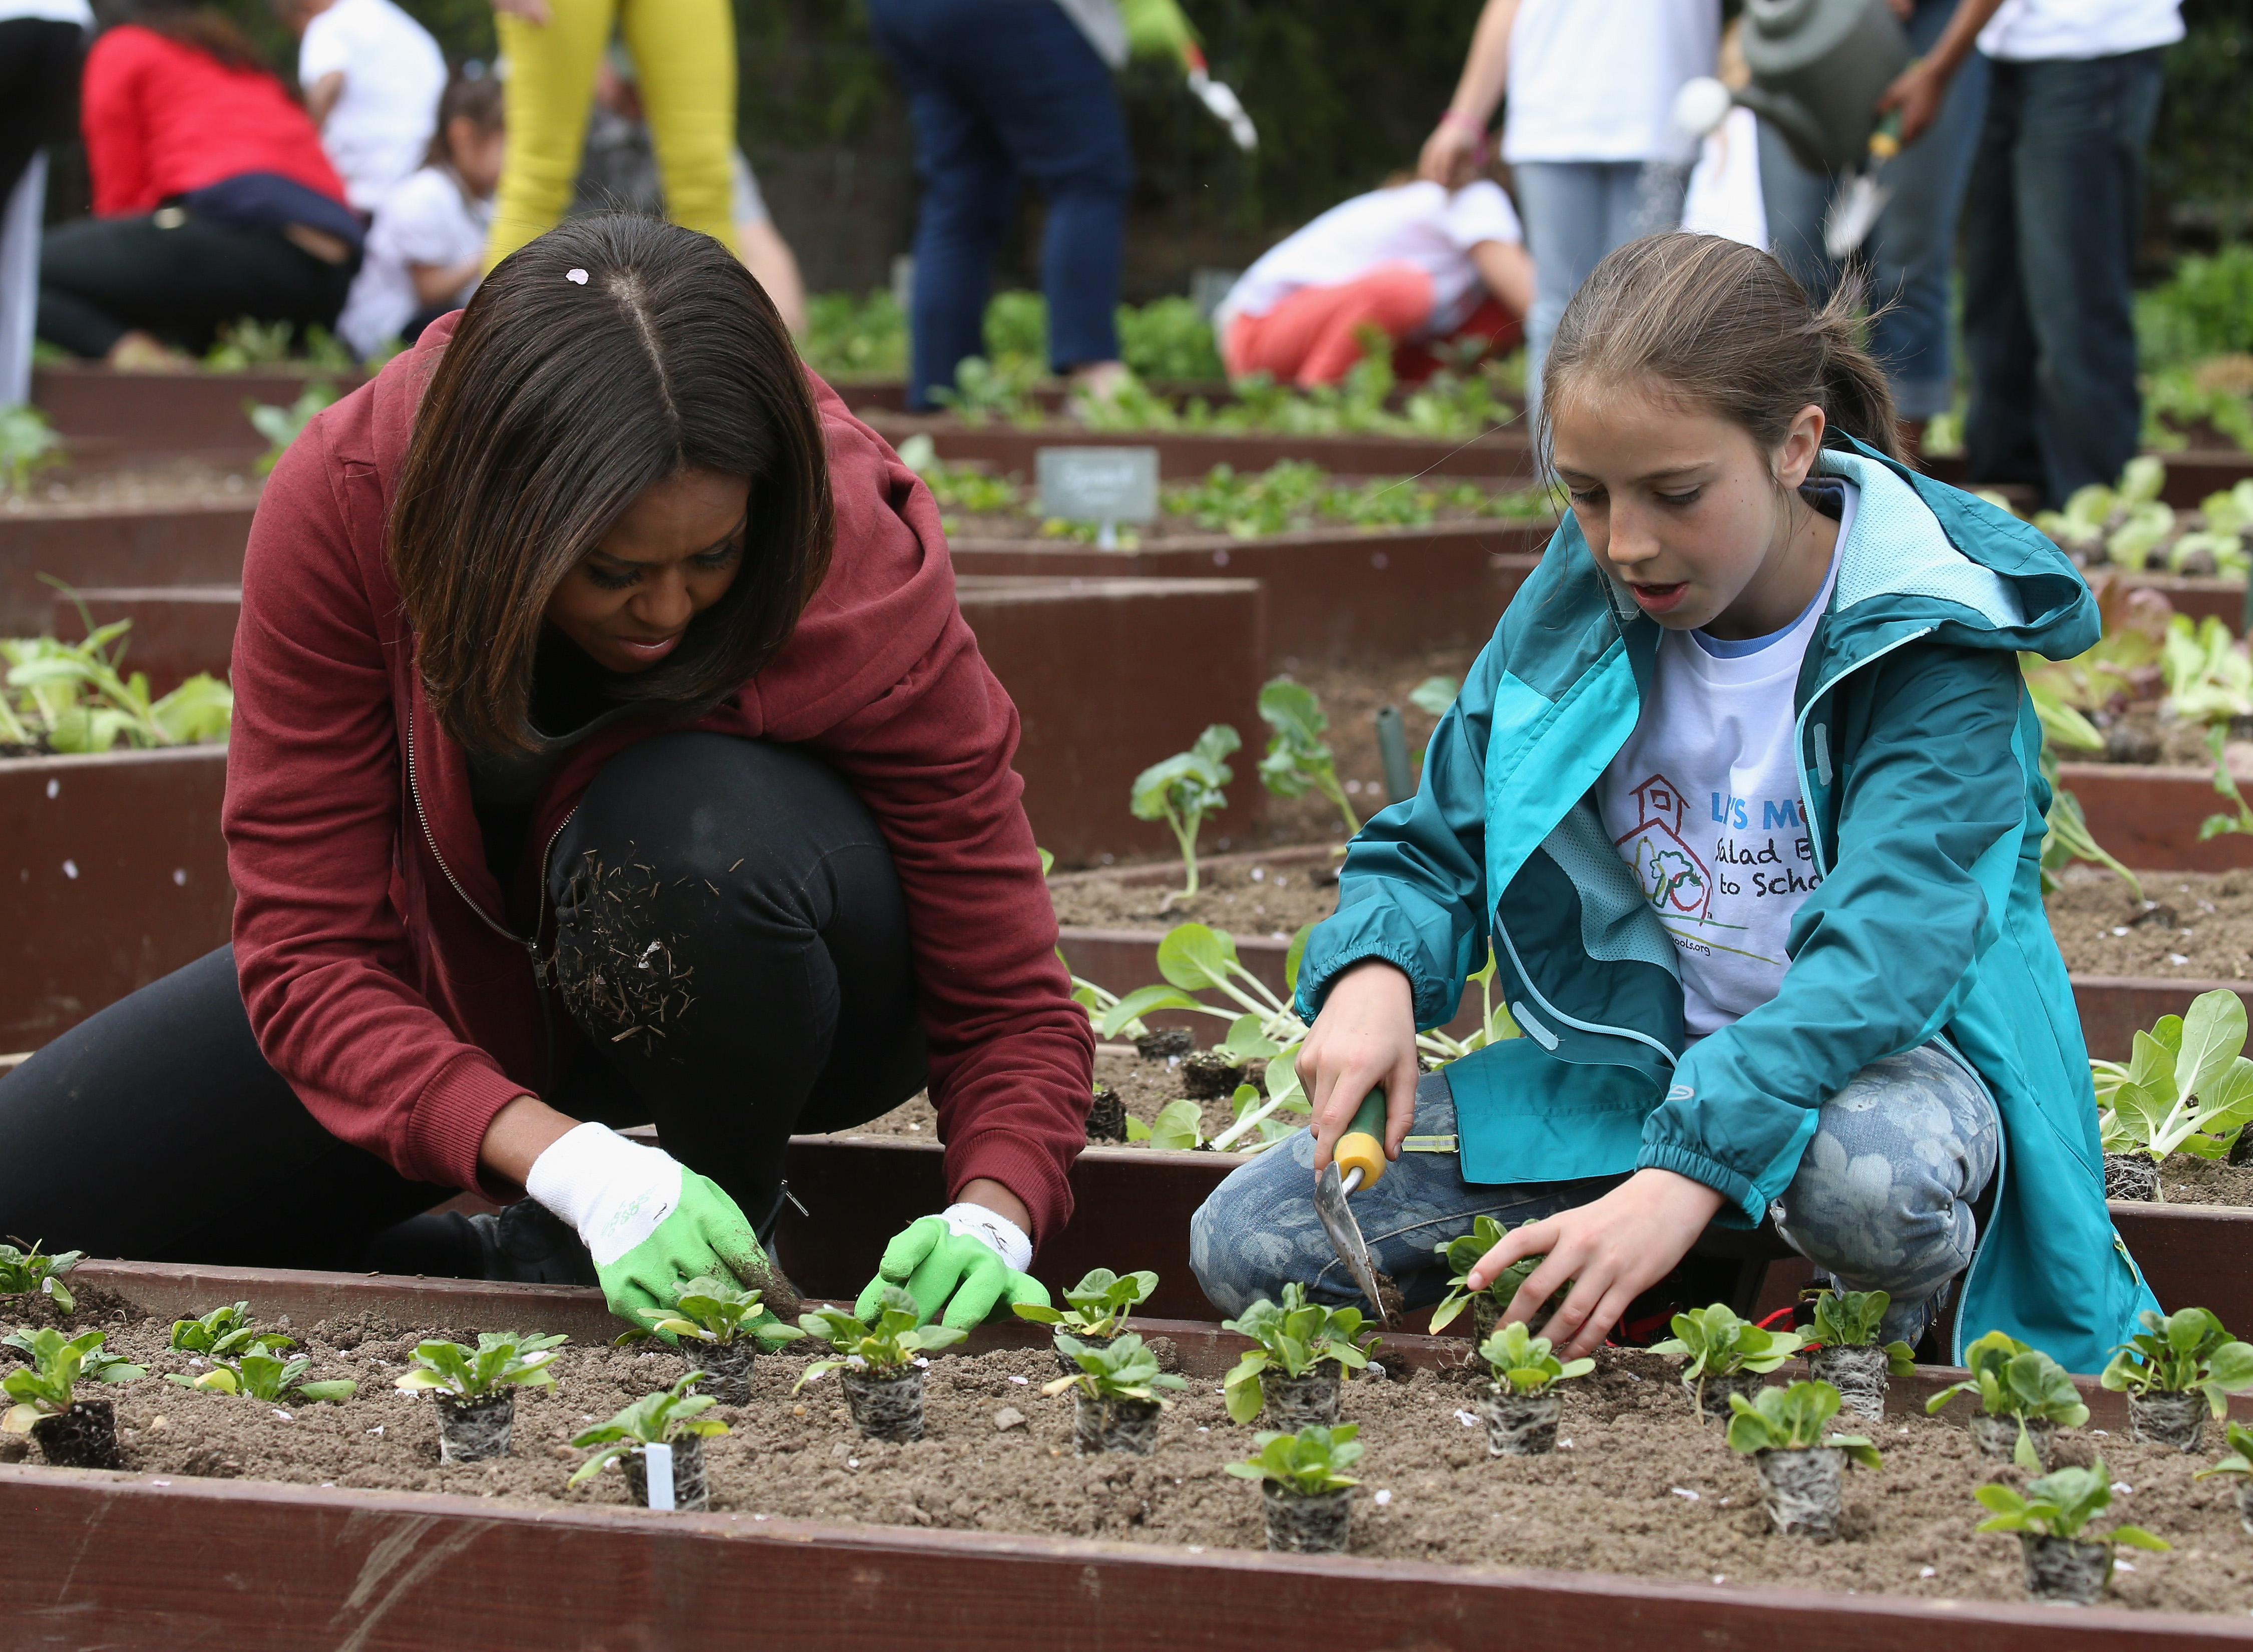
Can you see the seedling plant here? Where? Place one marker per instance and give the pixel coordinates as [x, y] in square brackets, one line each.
[1115, 1393]
[2184, 1088]
[878, 1359]
[1718, 1345]
[1292, 1340]
[731, 1324]
[2064, 1560]
[1781, 1430]
[283, 426]
[2165, 1369]
[28, 443]
[1298, 759]
[1182, 790]
[2239, 1466]
[25, 1267]
[1847, 1354]
[1462, 1255]
[1305, 1486]
[222, 1332]
[501, 1360]
[1097, 1306]
[1520, 1406]
[2023, 1394]
[260, 1371]
[74, 697]
[55, 1365]
[671, 1416]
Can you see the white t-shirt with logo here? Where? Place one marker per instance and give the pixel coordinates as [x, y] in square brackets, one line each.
[1595, 80]
[393, 72]
[430, 218]
[1703, 803]
[2026, 31]
[1421, 224]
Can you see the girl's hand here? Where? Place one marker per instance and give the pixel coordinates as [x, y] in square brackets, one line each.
[1612, 1250]
[1452, 143]
[1364, 1037]
[1917, 94]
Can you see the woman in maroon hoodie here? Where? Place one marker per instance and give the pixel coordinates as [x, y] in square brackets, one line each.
[608, 747]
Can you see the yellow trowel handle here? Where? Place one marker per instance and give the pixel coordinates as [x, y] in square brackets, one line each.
[1362, 1147]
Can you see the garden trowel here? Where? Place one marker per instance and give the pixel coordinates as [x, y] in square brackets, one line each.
[1357, 1162]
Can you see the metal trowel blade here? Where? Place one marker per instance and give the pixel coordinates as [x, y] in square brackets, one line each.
[1854, 213]
[1345, 1236]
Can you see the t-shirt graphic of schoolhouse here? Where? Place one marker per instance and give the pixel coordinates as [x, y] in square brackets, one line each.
[1720, 877]
[1703, 803]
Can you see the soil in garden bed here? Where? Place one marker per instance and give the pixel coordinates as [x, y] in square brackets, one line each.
[1640, 1490]
[2193, 925]
[1245, 901]
[1145, 1086]
[162, 486]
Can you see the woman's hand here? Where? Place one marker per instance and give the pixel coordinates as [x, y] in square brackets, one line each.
[1452, 143]
[1364, 1037]
[1611, 1251]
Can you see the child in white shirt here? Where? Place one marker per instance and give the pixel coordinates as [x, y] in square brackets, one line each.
[372, 77]
[426, 248]
[1415, 260]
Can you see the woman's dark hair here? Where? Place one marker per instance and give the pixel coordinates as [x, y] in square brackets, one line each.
[1725, 327]
[205, 28]
[476, 99]
[609, 354]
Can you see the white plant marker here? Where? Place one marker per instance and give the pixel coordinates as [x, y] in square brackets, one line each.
[656, 1473]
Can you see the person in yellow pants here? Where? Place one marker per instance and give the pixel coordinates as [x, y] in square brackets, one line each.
[684, 54]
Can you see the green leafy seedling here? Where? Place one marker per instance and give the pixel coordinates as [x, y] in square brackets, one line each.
[1293, 1338]
[1852, 1318]
[261, 1372]
[1522, 1362]
[2185, 1087]
[654, 1420]
[28, 442]
[44, 1387]
[2061, 1504]
[2240, 1460]
[1121, 1368]
[219, 1334]
[1298, 759]
[501, 1359]
[887, 1341]
[1717, 1344]
[1792, 1418]
[1098, 1306]
[1182, 790]
[25, 1267]
[1462, 1255]
[2013, 1380]
[711, 1310]
[1308, 1463]
[283, 426]
[2184, 1352]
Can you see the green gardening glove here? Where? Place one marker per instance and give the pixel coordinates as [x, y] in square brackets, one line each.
[958, 1267]
[649, 1222]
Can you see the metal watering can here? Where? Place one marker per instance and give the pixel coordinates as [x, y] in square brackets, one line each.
[1819, 68]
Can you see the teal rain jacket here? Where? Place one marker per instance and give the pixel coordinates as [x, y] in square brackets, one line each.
[1918, 753]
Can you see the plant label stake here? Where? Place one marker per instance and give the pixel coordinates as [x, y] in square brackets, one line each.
[657, 1469]
[1103, 485]
[1357, 1162]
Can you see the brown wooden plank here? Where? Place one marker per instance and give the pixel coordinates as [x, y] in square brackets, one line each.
[162, 544]
[136, 1562]
[2148, 815]
[2113, 1007]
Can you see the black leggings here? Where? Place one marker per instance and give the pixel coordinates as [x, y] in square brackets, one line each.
[734, 899]
[101, 278]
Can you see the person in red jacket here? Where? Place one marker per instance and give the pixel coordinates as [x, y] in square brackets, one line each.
[213, 200]
[608, 747]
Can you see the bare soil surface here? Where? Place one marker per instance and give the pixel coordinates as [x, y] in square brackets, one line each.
[1246, 901]
[2187, 1180]
[168, 486]
[2193, 925]
[1145, 1086]
[1639, 1490]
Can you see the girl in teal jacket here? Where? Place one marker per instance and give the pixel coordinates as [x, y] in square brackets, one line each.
[1745, 795]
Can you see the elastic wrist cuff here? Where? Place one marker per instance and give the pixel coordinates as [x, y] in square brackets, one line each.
[993, 1229]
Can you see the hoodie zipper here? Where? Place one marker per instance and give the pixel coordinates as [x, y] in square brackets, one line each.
[542, 973]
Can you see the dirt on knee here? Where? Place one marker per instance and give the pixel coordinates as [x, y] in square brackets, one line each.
[615, 963]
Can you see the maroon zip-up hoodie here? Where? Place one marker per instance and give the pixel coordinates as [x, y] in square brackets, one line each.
[390, 978]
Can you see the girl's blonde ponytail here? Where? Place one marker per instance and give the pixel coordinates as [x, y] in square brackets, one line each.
[1724, 326]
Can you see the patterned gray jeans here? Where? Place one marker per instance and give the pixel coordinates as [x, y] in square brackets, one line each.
[1882, 1199]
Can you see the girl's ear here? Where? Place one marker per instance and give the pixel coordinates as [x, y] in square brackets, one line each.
[1795, 457]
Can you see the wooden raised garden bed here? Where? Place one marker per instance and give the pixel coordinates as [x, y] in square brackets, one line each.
[177, 1559]
[109, 418]
[1333, 594]
[112, 873]
[166, 544]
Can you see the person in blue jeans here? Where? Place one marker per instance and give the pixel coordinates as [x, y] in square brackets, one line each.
[1002, 91]
[1909, 259]
[2052, 216]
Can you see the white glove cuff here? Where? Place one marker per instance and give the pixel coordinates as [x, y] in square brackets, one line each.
[990, 1227]
[615, 1192]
